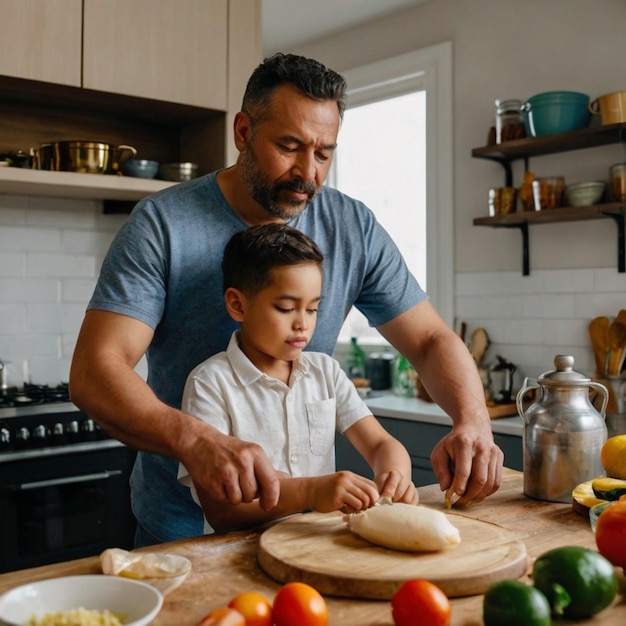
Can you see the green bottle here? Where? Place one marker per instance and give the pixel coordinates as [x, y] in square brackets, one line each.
[355, 363]
[403, 378]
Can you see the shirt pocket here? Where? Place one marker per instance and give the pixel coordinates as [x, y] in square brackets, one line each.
[321, 419]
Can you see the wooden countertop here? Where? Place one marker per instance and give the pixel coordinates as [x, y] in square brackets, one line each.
[226, 565]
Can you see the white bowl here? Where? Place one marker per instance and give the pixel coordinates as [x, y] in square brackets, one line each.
[137, 601]
[584, 194]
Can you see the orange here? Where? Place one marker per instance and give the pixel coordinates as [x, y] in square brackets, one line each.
[254, 607]
[613, 456]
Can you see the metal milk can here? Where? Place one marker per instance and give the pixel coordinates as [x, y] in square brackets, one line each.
[563, 432]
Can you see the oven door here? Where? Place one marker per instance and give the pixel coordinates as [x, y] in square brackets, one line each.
[60, 507]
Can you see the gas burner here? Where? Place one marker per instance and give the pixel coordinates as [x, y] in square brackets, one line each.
[32, 394]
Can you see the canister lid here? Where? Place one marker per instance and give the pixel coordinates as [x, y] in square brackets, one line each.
[564, 372]
[511, 105]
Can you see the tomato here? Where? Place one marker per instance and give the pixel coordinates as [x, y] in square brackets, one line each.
[420, 602]
[254, 607]
[224, 616]
[611, 533]
[298, 604]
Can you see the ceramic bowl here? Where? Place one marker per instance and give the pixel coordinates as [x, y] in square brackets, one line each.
[140, 168]
[557, 112]
[138, 602]
[594, 513]
[178, 172]
[584, 194]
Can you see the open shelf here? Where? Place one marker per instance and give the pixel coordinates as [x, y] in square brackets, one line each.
[507, 152]
[20, 181]
[510, 151]
[521, 220]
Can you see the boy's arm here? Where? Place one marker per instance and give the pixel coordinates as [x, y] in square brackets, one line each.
[344, 491]
[387, 457]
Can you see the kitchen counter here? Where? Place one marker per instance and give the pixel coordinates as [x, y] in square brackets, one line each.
[416, 410]
[226, 565]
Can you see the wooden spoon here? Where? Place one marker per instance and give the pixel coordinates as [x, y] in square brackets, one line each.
[479, 344]
[599, 334]
[617, 343]
[621, 317]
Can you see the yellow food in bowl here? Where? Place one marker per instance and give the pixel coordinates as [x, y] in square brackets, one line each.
[77, 617]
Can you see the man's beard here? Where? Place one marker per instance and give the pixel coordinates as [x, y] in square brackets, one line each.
[267, 195]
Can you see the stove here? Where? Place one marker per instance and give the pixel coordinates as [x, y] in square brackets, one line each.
[64, 490]
[41, 420]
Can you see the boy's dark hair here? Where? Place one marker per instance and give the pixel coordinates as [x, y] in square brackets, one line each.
[251, 255]
[309, 76]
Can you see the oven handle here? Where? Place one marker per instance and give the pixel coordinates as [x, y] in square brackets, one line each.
[69, 480]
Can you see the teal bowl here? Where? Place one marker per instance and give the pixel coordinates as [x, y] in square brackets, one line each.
[556, 112]
[140, 168]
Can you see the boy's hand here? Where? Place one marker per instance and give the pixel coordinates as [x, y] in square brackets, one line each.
[342, 491]
[396, 487]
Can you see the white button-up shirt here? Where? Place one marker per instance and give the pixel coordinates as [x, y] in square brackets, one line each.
[295, 424]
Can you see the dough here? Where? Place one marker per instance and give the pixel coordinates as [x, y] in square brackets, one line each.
[407, 527]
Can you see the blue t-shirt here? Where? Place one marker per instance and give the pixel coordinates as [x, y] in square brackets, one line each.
[164, 268]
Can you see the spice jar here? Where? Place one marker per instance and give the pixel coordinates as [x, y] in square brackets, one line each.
[509, 120]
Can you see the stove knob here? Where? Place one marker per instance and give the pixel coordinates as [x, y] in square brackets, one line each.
[73, 431]
[89, 429]
[40, 435]
[5, 437]
[58, 434]
[22, 437]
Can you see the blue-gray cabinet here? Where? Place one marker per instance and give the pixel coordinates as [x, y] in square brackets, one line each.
[419, 438]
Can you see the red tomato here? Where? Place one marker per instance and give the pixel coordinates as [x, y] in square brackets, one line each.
[611, 533]
[254, 607]
[420, 602]
[223, 616]
[298, 604]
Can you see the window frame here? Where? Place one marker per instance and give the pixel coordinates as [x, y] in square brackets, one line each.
[429, 69]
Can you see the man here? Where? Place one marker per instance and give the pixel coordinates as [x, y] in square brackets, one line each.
[159, 293]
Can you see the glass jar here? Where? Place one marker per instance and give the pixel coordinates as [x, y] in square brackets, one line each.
[509, 120]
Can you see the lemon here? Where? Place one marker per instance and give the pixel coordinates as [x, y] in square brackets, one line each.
[613, 457]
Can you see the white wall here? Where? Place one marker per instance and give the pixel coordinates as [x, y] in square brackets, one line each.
[515, 50]
[51, 249]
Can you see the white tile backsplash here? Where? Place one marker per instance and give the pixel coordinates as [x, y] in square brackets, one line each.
[52, 249]
[531, 319]
[51, 252]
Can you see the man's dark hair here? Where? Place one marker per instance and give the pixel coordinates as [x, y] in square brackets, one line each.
[251, 255]
[309, 76]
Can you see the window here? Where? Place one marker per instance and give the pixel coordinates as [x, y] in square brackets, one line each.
[394, 154]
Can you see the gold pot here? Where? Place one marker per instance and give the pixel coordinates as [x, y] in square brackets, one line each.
[90, 157]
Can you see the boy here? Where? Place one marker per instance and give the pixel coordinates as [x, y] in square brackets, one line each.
[263, 388]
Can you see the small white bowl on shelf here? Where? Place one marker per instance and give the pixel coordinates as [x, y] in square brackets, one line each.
[584, 194]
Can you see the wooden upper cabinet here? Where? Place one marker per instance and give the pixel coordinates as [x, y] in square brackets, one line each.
[160, 49]
[41, 40]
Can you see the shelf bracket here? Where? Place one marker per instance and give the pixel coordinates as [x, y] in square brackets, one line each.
[525, 249]
[523, 228]
[619, 221]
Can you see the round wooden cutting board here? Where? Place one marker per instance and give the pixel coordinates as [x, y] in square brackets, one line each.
[320, 550]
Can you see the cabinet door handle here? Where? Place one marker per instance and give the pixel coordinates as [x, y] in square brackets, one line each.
[69, 480]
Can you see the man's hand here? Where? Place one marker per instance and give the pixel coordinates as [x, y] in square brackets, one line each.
[231, 470]
[468, 464]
